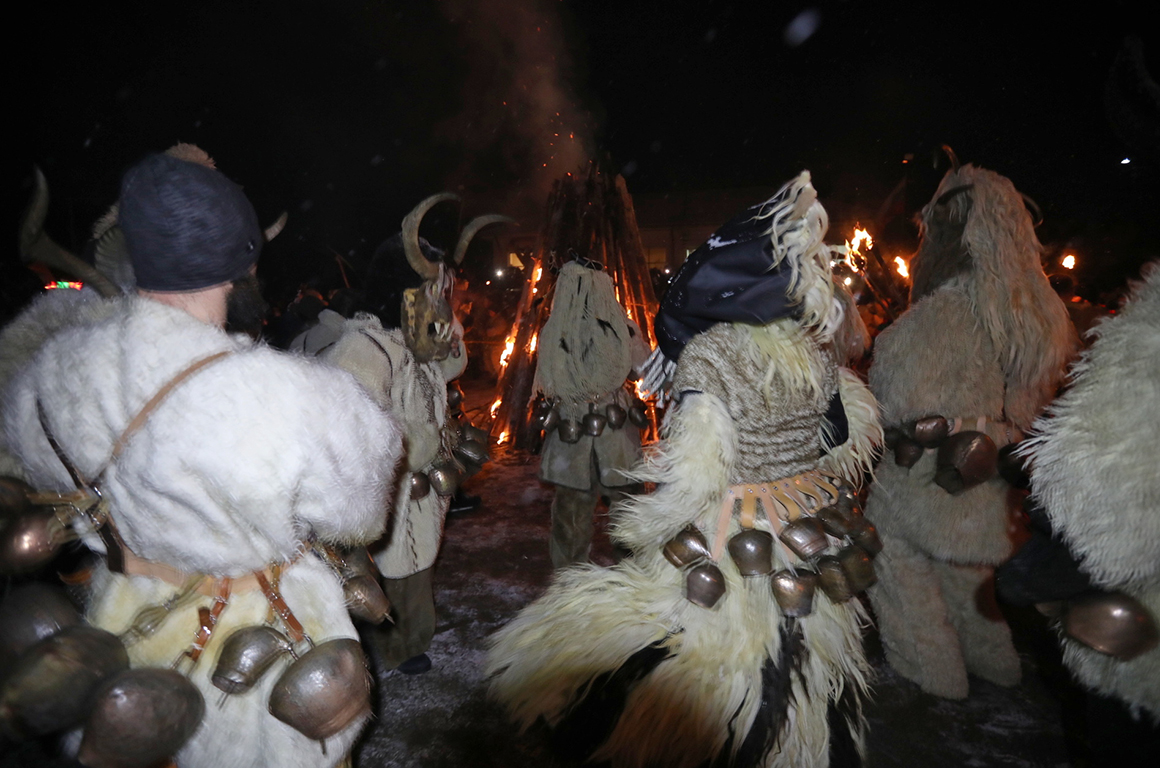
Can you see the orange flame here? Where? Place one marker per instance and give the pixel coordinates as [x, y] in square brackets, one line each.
[508, 345]
[536, 276]
[502, 437]
[532, 343]
[902, 270]
[1069, 261]
[495, 406]
[854, 248]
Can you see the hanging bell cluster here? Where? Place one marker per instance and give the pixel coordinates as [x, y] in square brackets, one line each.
[838, 527]
[464, 450]
[965, 458]
[593, 423]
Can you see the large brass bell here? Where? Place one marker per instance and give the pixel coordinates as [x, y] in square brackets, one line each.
[794, 592]
[858, 568]
[139, 718]
[472, 432]
[454, 397]
[687, 547]
[752, 551]
[569, 431]
[965, 460]
[805, 537]
[616, 415]
[28, 541]
[929, 432]
[907, 452]
[31, 612]
[1112, 623]
[832, 579]
[550, 420]
[472, 452]
[13, 496]
[365, 599]
[324, 691]
[847, 502]
[835, 522]
[444, 478]
[704, 585]
[593, 423]
[1014, 467]
[47, 689]
[865, 535]
[246, 655]
[638, 414]
[420, 485]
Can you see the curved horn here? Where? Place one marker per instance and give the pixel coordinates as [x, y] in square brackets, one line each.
[951, 156]
[952, 193]
[1036, 211]
[37, 247]
[276, 228]
[415, 257]
[473, 227]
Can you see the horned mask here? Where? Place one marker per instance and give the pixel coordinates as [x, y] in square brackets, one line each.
[427, 320]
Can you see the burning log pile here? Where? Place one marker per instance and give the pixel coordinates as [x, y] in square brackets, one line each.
[590, 217]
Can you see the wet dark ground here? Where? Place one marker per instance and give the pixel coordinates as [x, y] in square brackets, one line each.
[495, 560]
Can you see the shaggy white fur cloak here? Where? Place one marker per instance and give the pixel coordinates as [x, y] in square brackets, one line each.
[699, 703]
[240, 464]
[1096, 471]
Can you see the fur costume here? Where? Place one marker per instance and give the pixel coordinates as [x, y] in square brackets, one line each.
[237, 468]
[588, 347]
[416, 395]
[1094, 471]
[617, 661]
[985, 338]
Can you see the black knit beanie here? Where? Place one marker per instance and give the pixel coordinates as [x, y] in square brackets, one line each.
[187, 227]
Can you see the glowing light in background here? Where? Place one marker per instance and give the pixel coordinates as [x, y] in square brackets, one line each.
[1125, 161]
[902, 270]
[1068, 261]
[854, 249]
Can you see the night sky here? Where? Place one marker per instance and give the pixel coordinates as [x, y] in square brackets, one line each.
[346, 113]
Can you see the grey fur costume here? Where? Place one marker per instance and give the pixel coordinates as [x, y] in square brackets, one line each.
[985, 337]
[1094, 470]
[689, 681]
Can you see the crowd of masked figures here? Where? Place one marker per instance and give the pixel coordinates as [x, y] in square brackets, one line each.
[948, 450]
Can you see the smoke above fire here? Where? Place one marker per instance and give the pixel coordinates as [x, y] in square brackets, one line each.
[520, 125]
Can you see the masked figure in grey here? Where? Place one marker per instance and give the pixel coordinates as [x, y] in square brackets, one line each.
[404, 348]
[221, 466]
[959, 375]
[725, 639]
[587, 349]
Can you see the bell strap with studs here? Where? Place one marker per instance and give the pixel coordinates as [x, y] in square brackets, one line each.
[789, 497]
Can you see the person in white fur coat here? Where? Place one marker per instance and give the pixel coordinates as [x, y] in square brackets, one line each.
[241, 465]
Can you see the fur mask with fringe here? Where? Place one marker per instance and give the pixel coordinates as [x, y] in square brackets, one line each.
[584, 349]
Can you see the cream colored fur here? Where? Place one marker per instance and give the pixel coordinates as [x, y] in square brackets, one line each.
[240, 463]
[49, 313]
[1095, 471]
[592, 620]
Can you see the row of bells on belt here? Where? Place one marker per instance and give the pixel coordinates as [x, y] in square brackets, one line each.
[964, 459]
[840, 576]
[592, 423]
[78, 675]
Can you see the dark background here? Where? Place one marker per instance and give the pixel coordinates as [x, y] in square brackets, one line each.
[346, 113]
